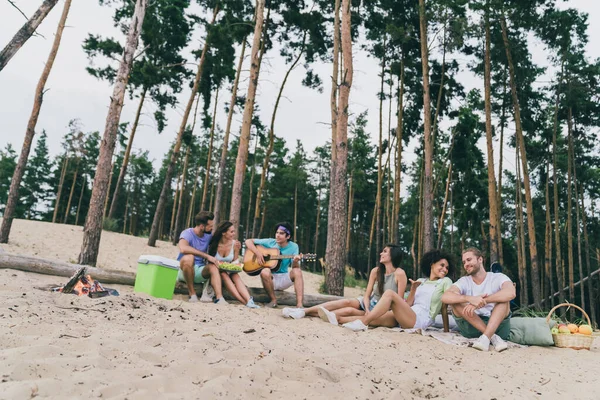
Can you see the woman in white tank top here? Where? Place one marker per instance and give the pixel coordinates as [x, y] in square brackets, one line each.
[423, 302]
[222, 247]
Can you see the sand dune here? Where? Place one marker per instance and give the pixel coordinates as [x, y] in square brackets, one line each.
[134, 346]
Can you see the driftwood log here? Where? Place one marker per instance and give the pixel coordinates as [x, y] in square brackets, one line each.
[105, 276]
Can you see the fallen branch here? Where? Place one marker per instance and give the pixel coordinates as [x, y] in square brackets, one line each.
[105, 276]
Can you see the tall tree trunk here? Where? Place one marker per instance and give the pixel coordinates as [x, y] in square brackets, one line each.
[492, 193]
[83, 184]
[193, 199]
[560, 272]
[578, 227]
[247, 231]
[413, 253]
[71, 192]
[317, 223]
[371, 235]
[333, 103]
[127, 189]
[378, 200]
[570, 210]
[225, 147]
[93, 224]
[523, 279]
[443, 213]
[398, 170]
[500, 171]
[25, 32]
[420, 214]
[548, 237]
[295, 211]
[179, 217]
[242, 156]
[389, 200]
[350, 205]
[174, 212]
[113, 205]
[110, 178]
[209, 155]
[427, 181]
[264, 216]
[586, 240]
[61, 182]
[528, 197]
[15, 183]
[265, 168]
[336, 256]
[160, 206]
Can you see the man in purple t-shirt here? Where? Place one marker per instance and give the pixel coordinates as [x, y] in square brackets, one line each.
[193, 257]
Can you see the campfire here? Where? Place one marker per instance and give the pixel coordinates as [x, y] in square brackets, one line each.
[83, 285]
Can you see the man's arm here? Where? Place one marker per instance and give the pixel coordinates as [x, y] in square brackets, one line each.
[453, 296]
[252, 247]
[504, 295]
[185, 248]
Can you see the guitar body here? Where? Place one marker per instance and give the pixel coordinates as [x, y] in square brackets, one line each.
[251, 266]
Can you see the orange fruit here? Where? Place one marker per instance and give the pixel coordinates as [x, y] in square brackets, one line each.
[573, 328]
[585, 330]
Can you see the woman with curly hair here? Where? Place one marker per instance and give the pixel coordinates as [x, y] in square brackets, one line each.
[424, 301]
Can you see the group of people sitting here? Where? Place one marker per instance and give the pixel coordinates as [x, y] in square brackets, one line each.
[480, 300]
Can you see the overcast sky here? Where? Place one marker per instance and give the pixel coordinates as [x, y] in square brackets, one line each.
[72, 93]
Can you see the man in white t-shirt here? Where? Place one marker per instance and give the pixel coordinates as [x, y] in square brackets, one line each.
[481, 303]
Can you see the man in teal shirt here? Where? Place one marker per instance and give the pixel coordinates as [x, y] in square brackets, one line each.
[289, 272]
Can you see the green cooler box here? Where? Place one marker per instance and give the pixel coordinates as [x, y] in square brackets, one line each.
[156, 276]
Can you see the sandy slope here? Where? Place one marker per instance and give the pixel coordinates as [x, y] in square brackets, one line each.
[134, 346]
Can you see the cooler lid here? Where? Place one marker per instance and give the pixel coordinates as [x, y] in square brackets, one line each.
[158, 260]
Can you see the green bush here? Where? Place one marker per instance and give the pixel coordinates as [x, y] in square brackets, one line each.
[110, 224]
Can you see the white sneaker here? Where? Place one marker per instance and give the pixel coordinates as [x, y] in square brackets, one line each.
[221, 301]
[327, 316]
[482, 343]
[250, 303]
[208, 293]
[356, 325]
[193, 299]
[296, 313]
[498, 343]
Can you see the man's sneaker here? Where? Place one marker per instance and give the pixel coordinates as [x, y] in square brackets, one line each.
[193, 299]
[221, 301]
[327, 316]
[295, 313]
[356, 325]
[250, 303]
[208, 293]
[482, 343]
[498, 343]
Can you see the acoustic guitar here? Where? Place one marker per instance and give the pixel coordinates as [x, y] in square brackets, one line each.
[272, 258]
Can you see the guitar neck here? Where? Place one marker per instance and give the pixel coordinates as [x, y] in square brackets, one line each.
[282, 257]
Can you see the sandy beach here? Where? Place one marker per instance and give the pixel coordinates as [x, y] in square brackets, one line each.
[134, 346]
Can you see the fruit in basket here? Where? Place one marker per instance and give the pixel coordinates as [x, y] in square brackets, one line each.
[562, 328]
[554, 330]
[573, 328]
[585, 329]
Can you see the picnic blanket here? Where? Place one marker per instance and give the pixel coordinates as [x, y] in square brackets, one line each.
[452, 337]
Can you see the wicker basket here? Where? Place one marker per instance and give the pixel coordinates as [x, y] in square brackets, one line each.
[575, 341]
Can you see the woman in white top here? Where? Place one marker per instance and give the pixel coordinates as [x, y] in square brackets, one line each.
[424, 301]
[221, 246]
[388, 276]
